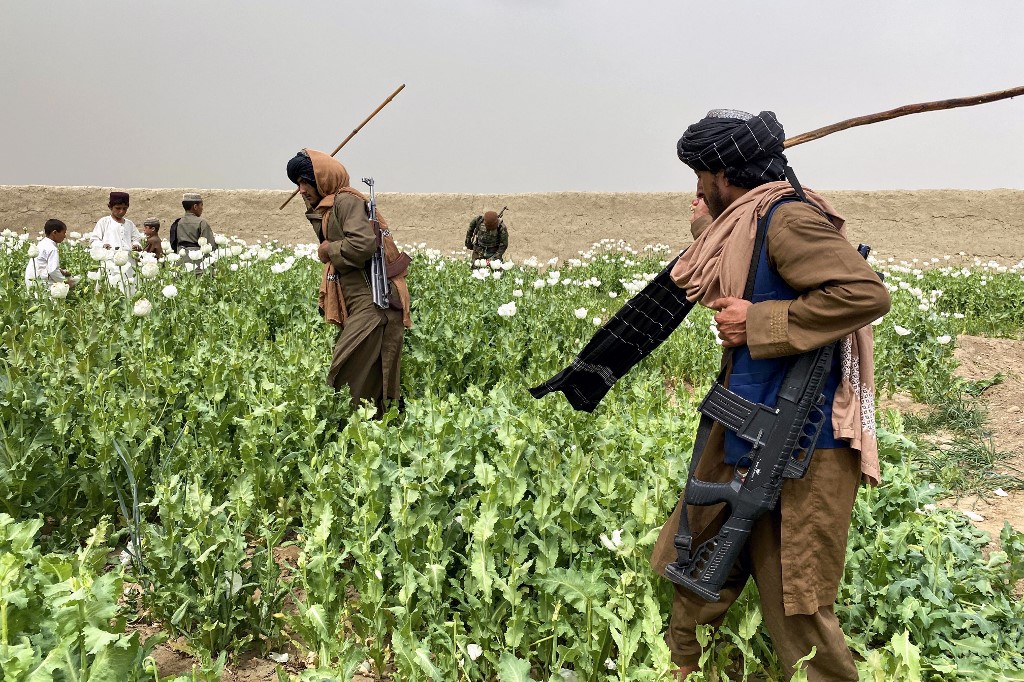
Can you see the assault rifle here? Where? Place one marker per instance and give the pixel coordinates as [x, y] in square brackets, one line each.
[782, 441]
[378, 278]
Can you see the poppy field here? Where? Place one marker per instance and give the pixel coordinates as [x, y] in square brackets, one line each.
[172, 458]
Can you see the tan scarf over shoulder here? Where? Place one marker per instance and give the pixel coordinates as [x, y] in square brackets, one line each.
[332, 179]
[717, 264]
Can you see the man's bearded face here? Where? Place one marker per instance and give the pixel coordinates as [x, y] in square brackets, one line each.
[713, 185]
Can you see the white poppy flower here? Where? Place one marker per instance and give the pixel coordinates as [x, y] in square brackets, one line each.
[170, 291]
[580, 313]
[33, 251]
[474, 650]
[507, 265]
[172, 257]
[496, 274]
[507, 310]
[495, 264]
[902, 331]
[203, 241]
[121, 258]
[142, 307]
[195, 255]
[539, 284]
[206, 248]
[943, 340]
[221, 240]
[59, 290]
[609, 664]
[596, 321]
[149, 270]
[166, 246]
[94, 275]
[189, 267]
[75, 235]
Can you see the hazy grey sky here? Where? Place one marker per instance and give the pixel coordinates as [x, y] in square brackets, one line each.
[501, 96]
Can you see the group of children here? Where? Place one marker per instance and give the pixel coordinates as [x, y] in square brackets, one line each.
[117, 232]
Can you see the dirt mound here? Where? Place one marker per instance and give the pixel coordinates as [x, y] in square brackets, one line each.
[902, 224]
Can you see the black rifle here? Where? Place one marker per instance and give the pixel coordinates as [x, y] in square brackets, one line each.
[378, 277]
[782, 441]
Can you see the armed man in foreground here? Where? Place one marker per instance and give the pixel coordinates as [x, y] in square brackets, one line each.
[794, 302]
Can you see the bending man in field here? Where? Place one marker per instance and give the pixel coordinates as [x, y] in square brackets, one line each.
[368, 351]
[811, 288]
[487, 236]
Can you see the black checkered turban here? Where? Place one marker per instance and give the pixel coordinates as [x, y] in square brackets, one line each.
[727, 138]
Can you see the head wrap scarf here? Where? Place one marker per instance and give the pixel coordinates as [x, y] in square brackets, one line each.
[300, 167]
[727, 138]
[117, 198]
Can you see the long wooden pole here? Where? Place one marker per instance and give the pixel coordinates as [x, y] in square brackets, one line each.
[904, 111]
[352, 134]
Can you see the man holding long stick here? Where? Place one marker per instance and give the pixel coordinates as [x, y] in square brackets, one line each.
[800, 287]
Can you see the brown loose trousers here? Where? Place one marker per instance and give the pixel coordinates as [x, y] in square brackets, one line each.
[796, 552]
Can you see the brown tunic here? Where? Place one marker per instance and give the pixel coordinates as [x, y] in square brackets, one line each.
[839, 294]
[154, 246]
[368, 351]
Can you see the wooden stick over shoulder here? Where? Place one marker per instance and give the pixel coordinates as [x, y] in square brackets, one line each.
[352, 134]
[904, 111]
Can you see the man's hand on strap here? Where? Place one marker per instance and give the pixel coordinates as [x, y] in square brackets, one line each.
[731, 319]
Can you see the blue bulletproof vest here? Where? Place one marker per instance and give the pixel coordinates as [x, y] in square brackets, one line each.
[759, 380]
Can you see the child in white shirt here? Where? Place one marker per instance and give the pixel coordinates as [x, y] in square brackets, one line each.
[115, 231]
[43, 269]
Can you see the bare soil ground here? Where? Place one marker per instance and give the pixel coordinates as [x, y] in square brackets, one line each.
[922, 224]
[983, 358]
